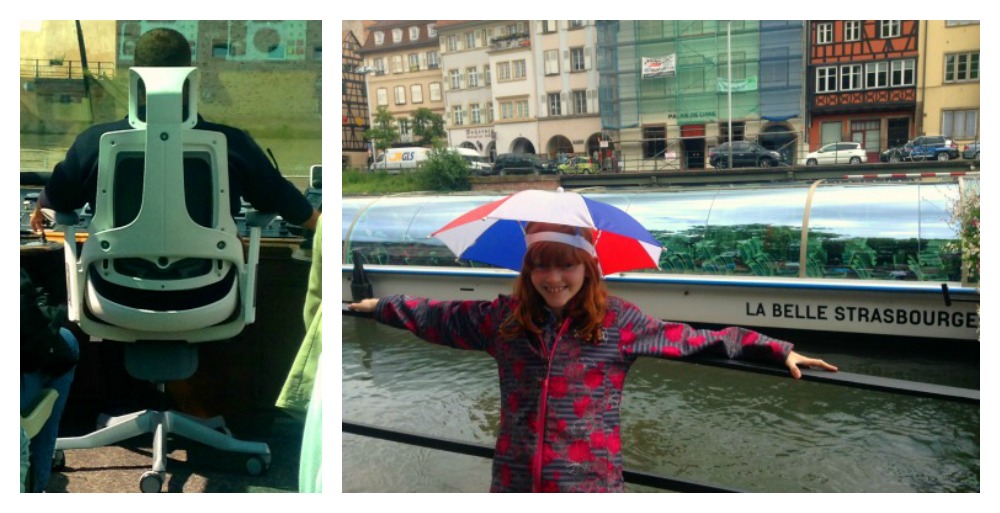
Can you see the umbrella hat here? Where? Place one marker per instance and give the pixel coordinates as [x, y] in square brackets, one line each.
[494, 233]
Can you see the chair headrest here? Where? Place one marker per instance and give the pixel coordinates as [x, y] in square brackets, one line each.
[163, 95]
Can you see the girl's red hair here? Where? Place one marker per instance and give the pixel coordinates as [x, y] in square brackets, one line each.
[586, 309]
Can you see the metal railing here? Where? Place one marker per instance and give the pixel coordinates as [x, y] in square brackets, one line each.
[64, 69]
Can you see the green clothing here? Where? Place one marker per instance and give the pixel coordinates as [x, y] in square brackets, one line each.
[302, 394]
[298, 388]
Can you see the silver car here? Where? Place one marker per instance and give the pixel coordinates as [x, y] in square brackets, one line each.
[971, 151]
[838, 153]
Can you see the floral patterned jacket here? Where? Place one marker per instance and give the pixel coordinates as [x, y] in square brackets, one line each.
[560, 396]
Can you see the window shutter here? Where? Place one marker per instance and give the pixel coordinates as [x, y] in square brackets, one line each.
[543, 107]
[586, 57]
[562, 103]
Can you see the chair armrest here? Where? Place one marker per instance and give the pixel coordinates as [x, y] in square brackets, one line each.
[255, 218]
[70, 218]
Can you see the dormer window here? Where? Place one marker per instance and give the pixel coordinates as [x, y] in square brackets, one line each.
[432, 30]
[379, 37]
[397, 35]
[414, 33]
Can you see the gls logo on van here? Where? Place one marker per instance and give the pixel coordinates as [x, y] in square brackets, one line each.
[404, 156]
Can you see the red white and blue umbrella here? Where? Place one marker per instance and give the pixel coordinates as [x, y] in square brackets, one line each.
[494, 233]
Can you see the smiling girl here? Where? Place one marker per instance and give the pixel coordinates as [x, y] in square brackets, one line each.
[563, 347]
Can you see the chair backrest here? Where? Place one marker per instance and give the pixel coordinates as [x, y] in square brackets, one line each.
[163, 260]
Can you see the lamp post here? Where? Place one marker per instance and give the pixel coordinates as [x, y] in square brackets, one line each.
[729, 87]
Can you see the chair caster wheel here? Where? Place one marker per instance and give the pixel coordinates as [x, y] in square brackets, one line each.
[59, 460]
[256, 465]
[150, 482]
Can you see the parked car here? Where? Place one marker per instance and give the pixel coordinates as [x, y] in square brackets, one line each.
[838, 153]
[971, 151]
[927, 147]
[520, 163]
[477, 163]
[577, 165]
[745, 154]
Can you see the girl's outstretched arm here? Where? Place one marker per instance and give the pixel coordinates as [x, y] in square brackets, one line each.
[794, 360]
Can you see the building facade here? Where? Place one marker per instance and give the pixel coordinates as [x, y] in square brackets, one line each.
[862, 82]
[468, 78]
[569, 122]
[670, 91]
[948, 74]
[402, 67]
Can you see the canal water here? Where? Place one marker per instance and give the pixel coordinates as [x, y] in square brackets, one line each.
[727, 428]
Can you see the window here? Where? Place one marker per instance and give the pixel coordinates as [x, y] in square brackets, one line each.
[654, 141]
[414, 33]
[830, 132]
[739, 66]
[579, 102]
[435, 90]
[887, 29]
[554, 104]
[416, 93]
[473, 75]
[432, 60]
[397, 63]
[548, 26]
[961, 67]
[506, 110]
[474, 113]
[379, 37]
[577, 59]
[739, 131]
[503, 71]
[552, 62]
[452, 42]
[850, 77]
[575, 24]
[432, 30]
[400, 95]
[521, 108]
[470, 40]
[826, 79]
[520, 69]
[903, 73]
[824, 33]
[960, 124]
[404, 127]
[382, 96]
[414, 61]
[486, 75]
[379, 65]
[959, 23]
[397, 35]
[220, 49]
[852, 30]
[456, 79]
[876, 75]
[459, 115]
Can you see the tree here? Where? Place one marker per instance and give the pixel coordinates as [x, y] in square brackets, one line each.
[446, 170]
[383, 131]
[428, 127]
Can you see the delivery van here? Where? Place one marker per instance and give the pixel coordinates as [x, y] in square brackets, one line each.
[394, 160]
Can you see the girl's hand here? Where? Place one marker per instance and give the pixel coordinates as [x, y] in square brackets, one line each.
[794, 360]
[365, 305]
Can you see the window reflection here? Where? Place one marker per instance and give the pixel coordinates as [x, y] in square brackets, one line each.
[892, 231]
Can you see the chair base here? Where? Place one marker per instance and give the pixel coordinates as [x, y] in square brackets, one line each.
[161, 424]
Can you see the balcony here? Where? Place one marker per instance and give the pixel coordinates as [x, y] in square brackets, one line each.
[510, 41]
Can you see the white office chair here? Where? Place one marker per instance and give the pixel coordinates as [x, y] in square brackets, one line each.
[163, 268]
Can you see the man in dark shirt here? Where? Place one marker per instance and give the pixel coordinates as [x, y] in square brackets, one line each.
[251, 175]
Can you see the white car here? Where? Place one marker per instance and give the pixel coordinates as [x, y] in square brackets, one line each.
[838, 153]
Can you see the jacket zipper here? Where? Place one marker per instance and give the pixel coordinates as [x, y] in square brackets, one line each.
[536, 467]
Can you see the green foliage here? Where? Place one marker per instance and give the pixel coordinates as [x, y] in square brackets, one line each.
[965, 218]
[383, 131]
[446, 170]
[363, 182]
[428, 128]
